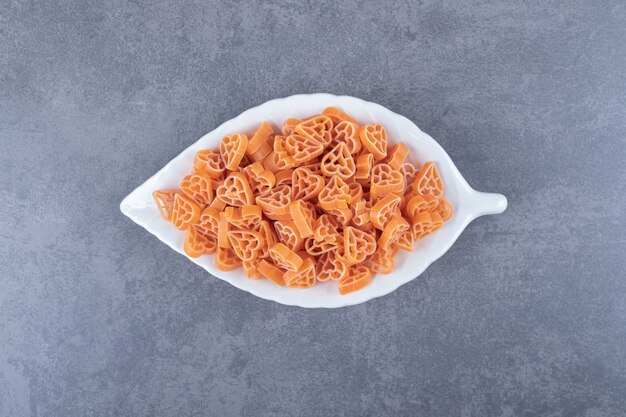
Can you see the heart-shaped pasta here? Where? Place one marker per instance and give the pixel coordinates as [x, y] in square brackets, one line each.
[347, 132]
[305, 185]
[235, 190]
[197, 244]
[338, 162]
[330, 267]
[198, 186]
[210, 162]
[233, 149]
[317, 128]
[247, 244]
[357, 245]
[385, 180]
[165, 202]
[358, 277]
[427, 181]
[185, 212]
[304, 277]
[374, 139]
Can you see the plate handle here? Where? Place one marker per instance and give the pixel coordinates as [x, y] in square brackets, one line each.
[488, 203]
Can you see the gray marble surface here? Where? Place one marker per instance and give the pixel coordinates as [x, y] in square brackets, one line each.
[524, 316]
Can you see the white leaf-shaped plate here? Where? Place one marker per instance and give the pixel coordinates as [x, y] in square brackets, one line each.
[468, 203]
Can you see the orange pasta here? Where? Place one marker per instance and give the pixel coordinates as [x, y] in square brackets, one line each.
[347, 132]
[358, 277]
[325, 199]
[285, 258]
[305, 185]
[374, 138]
[304, 277]
[235, 190]
[197, 244]
[208, 222]
[185, 212]
[233, 149]
[210, 162]
[259, 178]
[338, 161]
[247, 244]
[198, 186]
[245, 217]
[165, 202]
[259, 139]
[271, 272]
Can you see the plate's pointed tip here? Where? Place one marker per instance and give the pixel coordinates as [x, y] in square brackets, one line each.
[500, 203]
[125, 205]
[490, 203]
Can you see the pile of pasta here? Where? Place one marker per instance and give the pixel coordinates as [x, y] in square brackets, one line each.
[323, 199]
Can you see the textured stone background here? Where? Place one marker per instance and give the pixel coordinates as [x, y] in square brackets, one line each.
[524, 316]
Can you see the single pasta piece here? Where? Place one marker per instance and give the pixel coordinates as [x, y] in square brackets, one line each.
[285, 258]
[275, 202]
[197, 244]
[223, 227]
[210, 162]
[208, 222]
[394, 229]
[165, 202]
[385, 180]
[330, 267]
[384, 210]
[317, 128]
[337, 115]
[198, 186]
[325, 229]
[427, 181]
[271, 272]
[235, 191]
[420, 203]
[347, 132]
[303, 215]
[302, 149]
[374, 139]
[357, 245]
[185, 212]
[336, 195]
[397, 155]
[227, 259]
[409, 172]
[425, 223]
[381, 261]
[358, 277]
[304, 277]
[338, 162]
[305, 185]
[288, 234]
[251, 269]
[260, 179]
[232, 150]
[364, 164]
[405, 242]
[247, 244]
[259, 139]
[445, 209]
